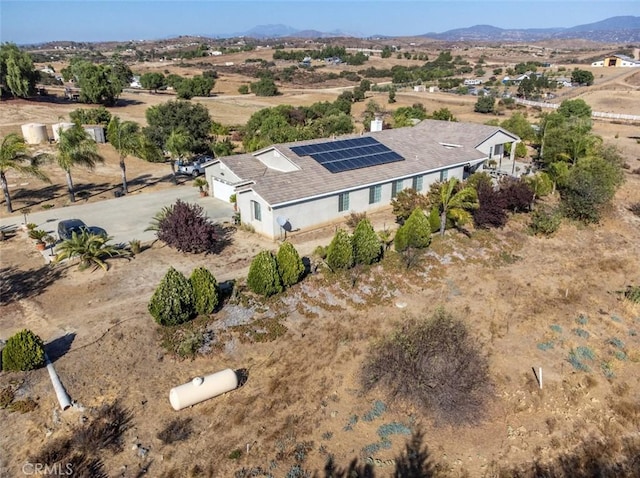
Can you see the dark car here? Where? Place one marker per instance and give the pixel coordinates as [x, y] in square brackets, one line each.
[67, 227]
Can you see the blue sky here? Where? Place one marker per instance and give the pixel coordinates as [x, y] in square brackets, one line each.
[90, 20]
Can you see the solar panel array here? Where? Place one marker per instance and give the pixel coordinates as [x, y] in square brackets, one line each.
[349, 154]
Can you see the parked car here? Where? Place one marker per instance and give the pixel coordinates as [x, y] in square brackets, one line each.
[67, 227]
[194, 167]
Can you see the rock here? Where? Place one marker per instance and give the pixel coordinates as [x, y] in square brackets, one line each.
[401, 305]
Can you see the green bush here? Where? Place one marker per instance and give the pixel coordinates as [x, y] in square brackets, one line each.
[263, 276]
[23, 351]
[545, 221]
[434, 219]
[290, 266]
[205, 290]
[340, 252]
[366, 243]
[173, 302]
[415, 233]
[541, 184]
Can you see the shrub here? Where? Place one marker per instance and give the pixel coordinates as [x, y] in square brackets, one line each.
[263, 275]
[415, 233]
[433, 363]
[591, 184]
[186, 228]
[340, 251]
[545, 221]
[366, 244]
[492, 207]
[290, 266]
[24, 351]
[354, 219]
[173, 302]
[541, 184]
[243, 89]
[434, 220]
[406, 202]
[517, 194]
[205, 290]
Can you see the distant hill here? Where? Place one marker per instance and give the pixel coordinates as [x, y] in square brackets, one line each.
[614, 29]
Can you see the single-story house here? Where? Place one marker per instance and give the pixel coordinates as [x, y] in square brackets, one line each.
[472, 81]
[308, 184]
[617, 60]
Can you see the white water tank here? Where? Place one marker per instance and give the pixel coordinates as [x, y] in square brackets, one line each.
[60, 127]
[96, 132]
[203, 388]
[35, 133]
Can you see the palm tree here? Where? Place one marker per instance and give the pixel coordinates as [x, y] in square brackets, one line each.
[455, 205]
[124, 136]
[90, 248]
[178, 144]
[75, 147]
[15, 155]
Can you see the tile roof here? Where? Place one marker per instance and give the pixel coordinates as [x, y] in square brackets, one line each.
[419, 145]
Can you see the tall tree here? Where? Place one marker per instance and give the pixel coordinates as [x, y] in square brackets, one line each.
[178, 145]
[17, 75]
[455, 205]
[15, 155]
[193, 118]
[76, 148]
[125, 137]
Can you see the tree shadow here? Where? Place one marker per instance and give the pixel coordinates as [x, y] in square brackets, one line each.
[59, 347]
[223, 238]
[18, 284]
[413, 462]
[37, 196]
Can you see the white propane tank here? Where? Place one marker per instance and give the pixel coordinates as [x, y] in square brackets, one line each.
[35, 133]
[203, 388]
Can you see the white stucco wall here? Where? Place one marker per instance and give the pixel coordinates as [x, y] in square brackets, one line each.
[497, 139]
[313, 213]
[221, 181]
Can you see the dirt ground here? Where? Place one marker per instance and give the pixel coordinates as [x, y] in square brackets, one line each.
[523, 297]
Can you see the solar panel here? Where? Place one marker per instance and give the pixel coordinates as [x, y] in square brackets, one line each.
[348, 154]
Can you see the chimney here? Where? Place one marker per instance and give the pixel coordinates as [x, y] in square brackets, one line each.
[376, 124]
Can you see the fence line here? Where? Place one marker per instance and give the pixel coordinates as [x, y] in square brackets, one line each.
[595, 114]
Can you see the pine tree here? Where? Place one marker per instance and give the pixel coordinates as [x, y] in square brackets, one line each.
[205, 290]
[366, 244]
[263, 276]
[290, 266]
[415, 233]
[340, 252]
[173, 302]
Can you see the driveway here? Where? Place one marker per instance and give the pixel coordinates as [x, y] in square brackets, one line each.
[124, 218]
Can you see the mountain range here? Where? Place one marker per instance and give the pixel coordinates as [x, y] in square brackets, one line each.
[623, 29]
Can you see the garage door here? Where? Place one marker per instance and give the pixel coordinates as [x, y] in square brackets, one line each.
[222, 191]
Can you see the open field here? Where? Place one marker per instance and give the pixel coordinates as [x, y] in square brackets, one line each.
[523, 298]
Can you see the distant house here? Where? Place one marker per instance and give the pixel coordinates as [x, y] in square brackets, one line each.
[308, 184]
[564, 82]
[472, 82]
[48, 70]
[617, 61]
[215, 53]
[306, 61]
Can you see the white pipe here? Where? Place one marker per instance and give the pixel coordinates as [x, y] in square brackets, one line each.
[203, 388]
[61, 393]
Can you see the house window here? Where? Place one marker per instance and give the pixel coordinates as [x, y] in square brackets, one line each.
[396, 187]
[375, 194]
[417, 183]
[444, 174]
[343, 202]
[257, 212]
